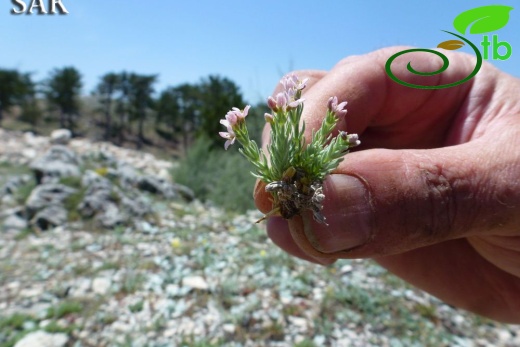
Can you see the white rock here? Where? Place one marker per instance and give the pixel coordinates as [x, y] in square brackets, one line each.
[458, 319]
[298, 322]
[121, 327]
[170, 332]
[31, 292]
[80, 287]
[15, 222]
[44, 323]
[42, 339]
[345, 269]
[229, 328]
[101, 285]
[195, 282]
[29, 153]
[34, 141]
[504, 335]
[61, 136]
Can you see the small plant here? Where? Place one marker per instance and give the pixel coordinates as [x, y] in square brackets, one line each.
[137, 307]
[72, 203]
[64, 308]
[132, 281]
[15, 321]
[102, 171]
[54, 328]
[71, 181]
[295, 171]
[23, 192]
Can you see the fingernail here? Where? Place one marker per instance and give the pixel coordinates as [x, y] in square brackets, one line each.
[348, 213]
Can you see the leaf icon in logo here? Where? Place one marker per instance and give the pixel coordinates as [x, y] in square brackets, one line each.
[451, 45]
[483, 19]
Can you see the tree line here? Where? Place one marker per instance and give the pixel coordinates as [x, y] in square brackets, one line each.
[126, 102]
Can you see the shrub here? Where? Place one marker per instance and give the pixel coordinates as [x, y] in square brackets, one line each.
[217, 176]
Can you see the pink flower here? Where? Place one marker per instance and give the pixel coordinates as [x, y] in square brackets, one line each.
[283, 101]
[338, 109]
[292, 82]
[230, 136]
[236, 115]
[286, 100]
[296, 103]
[232, 119]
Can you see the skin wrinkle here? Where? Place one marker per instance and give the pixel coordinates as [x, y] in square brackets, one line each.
[442, 191]
[441, 198]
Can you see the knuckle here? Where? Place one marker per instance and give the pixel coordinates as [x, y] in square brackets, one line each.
[441, 201]
[450, 202]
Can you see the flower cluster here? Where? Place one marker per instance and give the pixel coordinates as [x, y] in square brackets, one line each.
[232, 119]
[296, 169]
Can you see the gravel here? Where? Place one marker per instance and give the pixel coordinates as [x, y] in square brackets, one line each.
[201, 276]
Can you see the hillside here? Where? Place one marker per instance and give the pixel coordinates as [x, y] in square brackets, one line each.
[98, 247]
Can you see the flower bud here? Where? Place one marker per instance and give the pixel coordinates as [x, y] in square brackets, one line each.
[271, 102]
[331, 103]
[353, 140]
[338, 109]
[281, 101]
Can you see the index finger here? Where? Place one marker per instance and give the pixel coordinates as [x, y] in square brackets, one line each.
[388, 114]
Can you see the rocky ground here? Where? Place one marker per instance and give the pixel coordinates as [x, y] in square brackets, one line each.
[99, 248]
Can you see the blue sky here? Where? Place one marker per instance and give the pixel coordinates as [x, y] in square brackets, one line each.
[250, 42]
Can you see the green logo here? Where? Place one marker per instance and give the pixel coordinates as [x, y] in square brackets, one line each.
[480, 20]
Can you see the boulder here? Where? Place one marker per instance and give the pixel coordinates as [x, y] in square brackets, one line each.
[127, 175]
[160, 186]
[59, 161]
[13, 183]
[111, 216]
[15, 220]
[184, 191]
[156, 185]
[49, 217]
[100, 201]
[135, 205]
[46, 195]
[61, 136]
[92, 177]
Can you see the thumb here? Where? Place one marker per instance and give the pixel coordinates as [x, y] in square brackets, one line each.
[383, 202]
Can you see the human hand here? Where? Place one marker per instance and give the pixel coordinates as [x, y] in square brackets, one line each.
[433, 192]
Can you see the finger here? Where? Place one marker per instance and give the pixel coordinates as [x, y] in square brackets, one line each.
[455, 273]
[388, 114]
[275, 227]
[384, 202]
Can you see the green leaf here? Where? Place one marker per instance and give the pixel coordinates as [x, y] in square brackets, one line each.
[482, 19]
[451, 45]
